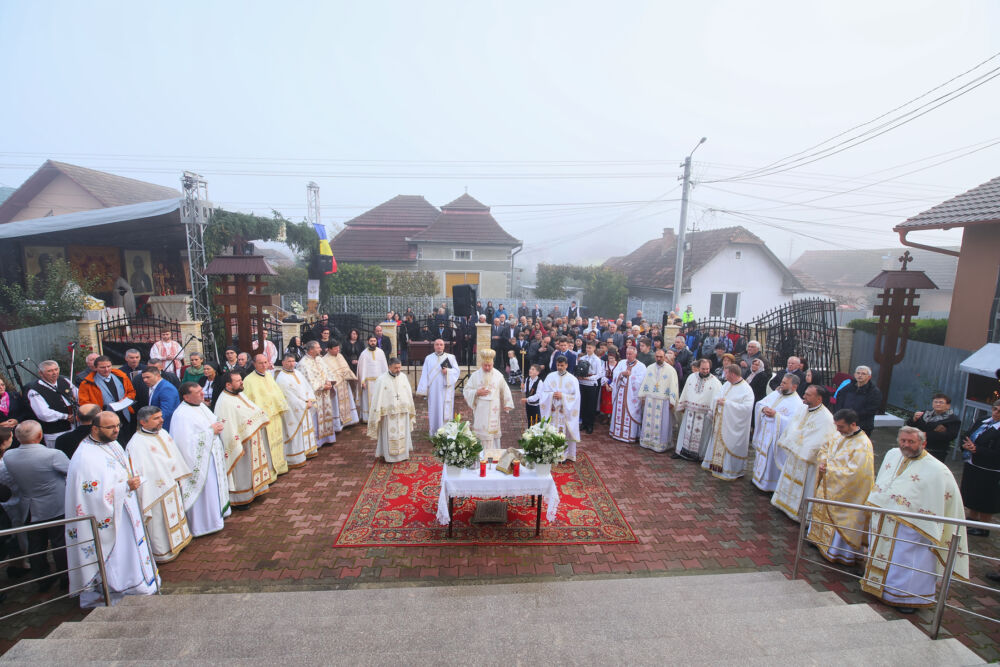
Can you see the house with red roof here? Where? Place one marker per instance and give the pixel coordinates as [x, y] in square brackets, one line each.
[461, 243]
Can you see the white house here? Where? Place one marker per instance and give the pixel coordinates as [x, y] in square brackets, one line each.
[728, 273]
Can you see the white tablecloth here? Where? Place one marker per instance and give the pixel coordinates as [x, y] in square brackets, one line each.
[469, 484]
[174, 307]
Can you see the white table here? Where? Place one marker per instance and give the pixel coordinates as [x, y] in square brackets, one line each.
[174, 307]
[468, 484]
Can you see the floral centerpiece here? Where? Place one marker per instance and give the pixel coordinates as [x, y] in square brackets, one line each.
[454, 444]
[543, 445]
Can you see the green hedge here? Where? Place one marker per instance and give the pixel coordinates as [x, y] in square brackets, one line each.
[924, 331]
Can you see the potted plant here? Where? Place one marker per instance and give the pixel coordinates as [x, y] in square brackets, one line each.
[543, 445]
[456, 446]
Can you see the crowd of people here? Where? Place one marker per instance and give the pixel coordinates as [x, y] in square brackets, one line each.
[162, 452]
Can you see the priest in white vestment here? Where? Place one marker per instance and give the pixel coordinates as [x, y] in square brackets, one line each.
[626, 406]
[437, 382]
[774, 413]
[487, 393]
[696, 409]
[244, 439]
[261, 389]
[392, 414]
[101, 483]
[300, 439]
[726, 454]
[156, 460]
[372, 365]
[846, 473]
[196, 430]
[345, 382]
[560, 402]
[169, 352]
[659, 397]
[911, 480]
[802, 442]
[326, 421]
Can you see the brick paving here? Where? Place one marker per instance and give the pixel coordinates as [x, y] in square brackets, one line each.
[686, 521]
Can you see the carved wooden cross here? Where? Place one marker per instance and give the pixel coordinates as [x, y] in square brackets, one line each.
[905, 259]
[237, 301]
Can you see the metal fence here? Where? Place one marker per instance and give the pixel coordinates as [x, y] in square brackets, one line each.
[119, 334]
[925, 370]
[379, 306]
[36, 344]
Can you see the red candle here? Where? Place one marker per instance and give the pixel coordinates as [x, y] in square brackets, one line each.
[482, 468]
[517, 468]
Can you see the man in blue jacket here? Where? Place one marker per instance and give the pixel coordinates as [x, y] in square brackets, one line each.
[162, 394]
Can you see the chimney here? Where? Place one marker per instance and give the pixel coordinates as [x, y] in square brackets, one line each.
[669, 245]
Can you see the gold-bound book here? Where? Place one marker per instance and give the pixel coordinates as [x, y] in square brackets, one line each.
[506, 464]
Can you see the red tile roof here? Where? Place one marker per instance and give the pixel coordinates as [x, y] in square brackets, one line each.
[109, 189]
[465, 220]
[979, 205]
[652, 264]
[380, 233]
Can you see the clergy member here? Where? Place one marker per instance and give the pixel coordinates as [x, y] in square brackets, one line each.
[560, 402]
[845, 473]
[802, 442]
[659, 396]
[321, 380]
[371, 366]
[196, 431]
[726, 454]
[345, 411]
[155, 458]
[774, 413]
[626, 407]
[244, 439]
[300, 439]
[487, 393]
[101, 483]
[437, 382]
[259, 386]
[169, 352]
[392, 414]
[697, 405]
[911, 480]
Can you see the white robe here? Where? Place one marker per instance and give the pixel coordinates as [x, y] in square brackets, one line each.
[165, 352]
[726, 454]
[155, 458]
[565, 412]
[392, 417]
[697, 404]
[300, 438]
[626, 410]
[325, 416]
[248, 455]
[372, 364]
[270, 351]
[802, 442]
[97, 484]
[439, 389]
[487, 410]
[206, 491]
[769, 458]
[659, 396]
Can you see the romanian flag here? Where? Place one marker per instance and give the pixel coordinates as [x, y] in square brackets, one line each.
[326, 260]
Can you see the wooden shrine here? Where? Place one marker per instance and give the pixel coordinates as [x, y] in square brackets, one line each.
[243, 300]
[895, 312]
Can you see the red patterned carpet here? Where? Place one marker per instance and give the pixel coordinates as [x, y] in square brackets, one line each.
[398, 503]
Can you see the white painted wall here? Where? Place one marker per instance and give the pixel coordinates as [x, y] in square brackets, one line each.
[754, 276]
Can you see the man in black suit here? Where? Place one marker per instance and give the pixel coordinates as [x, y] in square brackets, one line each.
[522, 310]
[536, 312]
[793, 366]
[499, 335]
[133, 362]
[383, 341]
[68, 442]
[573, 311]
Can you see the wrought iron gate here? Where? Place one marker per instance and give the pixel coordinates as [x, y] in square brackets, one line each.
[805, 328]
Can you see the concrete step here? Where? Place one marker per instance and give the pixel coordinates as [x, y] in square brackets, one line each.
[932, 652]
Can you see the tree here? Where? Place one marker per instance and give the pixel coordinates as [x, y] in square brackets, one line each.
[290, 280]
[57, 296]
[550, 281]
[354, 279]
[604, 290]
[412, 283]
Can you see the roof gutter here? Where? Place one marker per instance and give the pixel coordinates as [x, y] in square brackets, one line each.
[921, 246]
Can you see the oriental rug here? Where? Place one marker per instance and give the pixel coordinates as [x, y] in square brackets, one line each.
[398, 503]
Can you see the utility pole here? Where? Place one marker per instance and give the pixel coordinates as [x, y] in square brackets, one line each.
[679, 262]
[312, 203]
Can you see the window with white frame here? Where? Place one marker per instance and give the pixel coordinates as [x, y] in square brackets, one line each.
[724, 304]
[462, 254]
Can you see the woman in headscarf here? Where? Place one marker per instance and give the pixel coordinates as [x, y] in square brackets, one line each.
[294, 348]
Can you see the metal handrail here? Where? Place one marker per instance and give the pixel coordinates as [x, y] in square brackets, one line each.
[99, 552]
[946, 577]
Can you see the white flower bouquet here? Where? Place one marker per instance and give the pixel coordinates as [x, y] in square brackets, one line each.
[454, 444]
[543, 443]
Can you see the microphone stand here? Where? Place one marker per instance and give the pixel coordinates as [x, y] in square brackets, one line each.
[179, 352]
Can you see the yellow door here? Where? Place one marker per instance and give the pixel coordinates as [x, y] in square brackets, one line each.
[452, 279]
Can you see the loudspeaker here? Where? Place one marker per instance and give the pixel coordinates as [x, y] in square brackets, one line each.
[464, 298]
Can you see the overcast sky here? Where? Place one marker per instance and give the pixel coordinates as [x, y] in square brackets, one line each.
[570, 119]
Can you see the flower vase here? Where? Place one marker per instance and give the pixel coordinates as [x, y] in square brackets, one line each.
[543, 469]
[454, 471]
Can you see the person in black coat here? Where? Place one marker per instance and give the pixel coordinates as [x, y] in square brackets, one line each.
[68, 442]
[863, 397]
[13, 407]
[981, 474]
[531, 398]
[352, 349]
[940, 424]
[793, 366]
